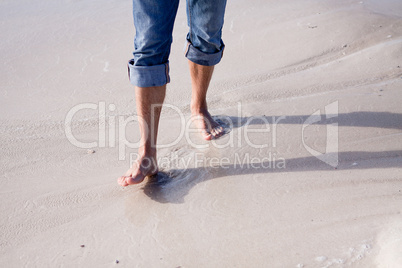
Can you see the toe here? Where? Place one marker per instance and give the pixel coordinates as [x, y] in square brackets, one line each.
[214, 132]
[221, 131]
[122, 181]
[207, 136]
[217, 132]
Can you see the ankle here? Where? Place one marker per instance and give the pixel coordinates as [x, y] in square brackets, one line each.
[198, 108]
[147, 151]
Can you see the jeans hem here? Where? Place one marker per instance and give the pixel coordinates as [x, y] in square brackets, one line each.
[207, 59]
[148, 76]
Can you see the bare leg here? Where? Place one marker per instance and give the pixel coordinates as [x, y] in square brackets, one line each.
[148, 123]
[200, 78]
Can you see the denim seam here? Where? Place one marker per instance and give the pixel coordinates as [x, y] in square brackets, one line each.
[190, 19]
[167, 73]
[187, 49]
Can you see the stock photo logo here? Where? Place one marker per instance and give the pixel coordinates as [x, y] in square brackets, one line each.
[330, 156]
[112, 133]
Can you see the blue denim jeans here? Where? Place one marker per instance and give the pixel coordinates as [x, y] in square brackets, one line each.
[154, 20]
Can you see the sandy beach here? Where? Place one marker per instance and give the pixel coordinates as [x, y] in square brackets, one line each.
[309, 174]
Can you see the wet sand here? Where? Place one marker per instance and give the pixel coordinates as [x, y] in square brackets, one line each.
[309, 174]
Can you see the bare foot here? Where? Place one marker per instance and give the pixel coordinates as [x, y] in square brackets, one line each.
[145, 166]
[209, 128]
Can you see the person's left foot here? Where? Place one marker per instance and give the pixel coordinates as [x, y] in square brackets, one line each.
[145, 166]
[209, 128]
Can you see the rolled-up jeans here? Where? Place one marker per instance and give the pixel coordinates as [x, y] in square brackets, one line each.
[154, 20]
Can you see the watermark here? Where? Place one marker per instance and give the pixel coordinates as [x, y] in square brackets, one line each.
[330, 156]
[200, 160]
[256, 132]
[112, 129]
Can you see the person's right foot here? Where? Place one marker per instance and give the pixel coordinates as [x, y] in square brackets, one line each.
[209, 128]
[143, 167]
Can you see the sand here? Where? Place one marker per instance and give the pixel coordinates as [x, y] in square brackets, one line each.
[309, 175]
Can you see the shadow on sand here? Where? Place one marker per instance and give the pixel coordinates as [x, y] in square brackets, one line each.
[354, 119]
[173, 185]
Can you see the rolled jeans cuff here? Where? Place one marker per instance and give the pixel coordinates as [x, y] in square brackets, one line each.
[148, 76]
[207, 59]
